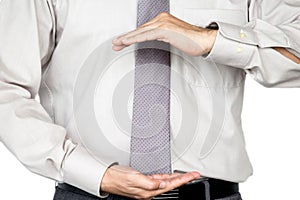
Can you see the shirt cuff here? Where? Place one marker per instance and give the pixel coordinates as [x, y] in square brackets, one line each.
[233, 47]
[82, 170]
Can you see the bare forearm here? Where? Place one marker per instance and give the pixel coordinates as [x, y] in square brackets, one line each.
[287, 54]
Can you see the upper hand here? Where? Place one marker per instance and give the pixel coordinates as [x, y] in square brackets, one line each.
[126, 181]
[188, 38]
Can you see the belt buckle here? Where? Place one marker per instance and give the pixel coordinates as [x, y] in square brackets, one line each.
[198, 180]
[174, 194]
[195, 189]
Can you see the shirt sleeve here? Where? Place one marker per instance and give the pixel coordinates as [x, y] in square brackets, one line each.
[27, 38]
[272, 23]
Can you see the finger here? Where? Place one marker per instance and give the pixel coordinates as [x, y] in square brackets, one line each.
[146, 183]
[175, 178]
[172, 181]
[179, 179]
[119, 48]
[142, 37]
[182, 179]
[164, 176]
[150, 35]
[139, 30]
[170, 176]
[175, 182]
[118, 43]
[151, 25]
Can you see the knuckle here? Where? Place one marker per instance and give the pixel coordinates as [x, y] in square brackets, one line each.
[165, 25]
[128, 177]
[161, 25]
[164, 15]
[151, 186]
[129, 180]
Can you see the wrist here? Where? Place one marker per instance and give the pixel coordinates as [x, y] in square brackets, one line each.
[210, 38]
[104, 185]
[212, 32]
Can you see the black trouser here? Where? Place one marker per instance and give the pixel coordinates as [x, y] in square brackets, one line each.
[210, 189]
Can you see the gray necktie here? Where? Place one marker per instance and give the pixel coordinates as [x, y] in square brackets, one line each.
[150, 136]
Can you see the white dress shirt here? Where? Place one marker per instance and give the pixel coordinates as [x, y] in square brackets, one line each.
[46, 43]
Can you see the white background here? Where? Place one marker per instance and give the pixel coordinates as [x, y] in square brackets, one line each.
[272, 131]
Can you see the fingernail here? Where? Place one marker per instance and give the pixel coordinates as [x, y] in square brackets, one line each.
[162, 185]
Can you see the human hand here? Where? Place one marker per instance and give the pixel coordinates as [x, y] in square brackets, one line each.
[126, 181]
[192, 40]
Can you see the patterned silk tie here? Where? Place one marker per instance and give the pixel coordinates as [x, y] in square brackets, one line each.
[150, 136]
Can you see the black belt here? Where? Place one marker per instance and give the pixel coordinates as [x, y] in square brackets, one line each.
[206, 188]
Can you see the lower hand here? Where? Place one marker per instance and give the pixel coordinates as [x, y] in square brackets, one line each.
[126, 181]
[193, 40]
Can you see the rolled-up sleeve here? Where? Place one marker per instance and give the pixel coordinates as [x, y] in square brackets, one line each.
[27, 38]
[250, 47]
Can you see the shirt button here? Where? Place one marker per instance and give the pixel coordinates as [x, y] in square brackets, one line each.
[242, 34]
[239, 49]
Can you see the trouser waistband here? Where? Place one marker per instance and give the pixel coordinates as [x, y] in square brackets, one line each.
[205, 188]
